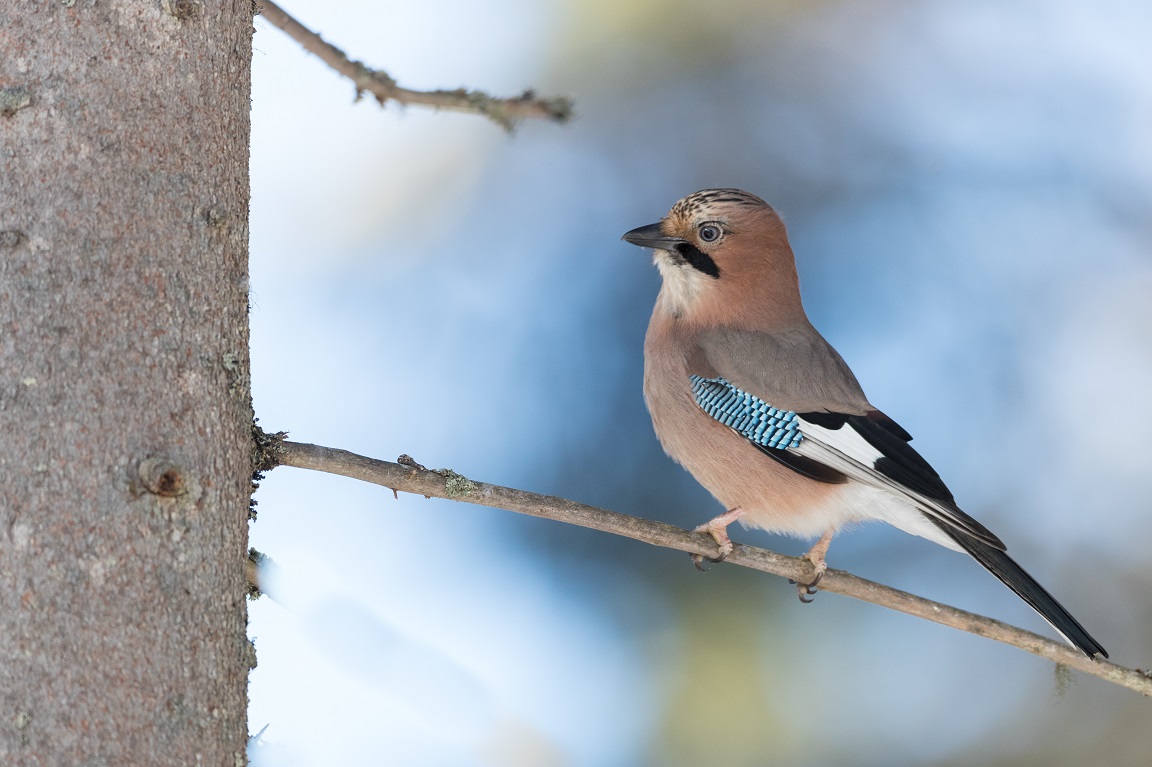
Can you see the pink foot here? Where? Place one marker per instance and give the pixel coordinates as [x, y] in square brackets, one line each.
[718, 529]
[815, 555]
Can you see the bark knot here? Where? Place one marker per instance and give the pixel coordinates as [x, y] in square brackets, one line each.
[14, 98]
[183, 9]
[161, 476]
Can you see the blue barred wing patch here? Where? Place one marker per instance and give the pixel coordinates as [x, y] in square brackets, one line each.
[750, 416]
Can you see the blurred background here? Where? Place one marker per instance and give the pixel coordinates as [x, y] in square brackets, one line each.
[967, 187]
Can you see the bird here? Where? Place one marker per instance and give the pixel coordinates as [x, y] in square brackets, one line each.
[747, 396]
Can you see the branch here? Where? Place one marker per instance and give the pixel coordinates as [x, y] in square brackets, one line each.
[505, 112]
[411, 477]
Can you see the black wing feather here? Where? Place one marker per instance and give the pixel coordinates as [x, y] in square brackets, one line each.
[826, 420]
[901, 462]
[802, 464]
[889, 425]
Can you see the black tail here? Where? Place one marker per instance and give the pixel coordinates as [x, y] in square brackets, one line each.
[1013, 576]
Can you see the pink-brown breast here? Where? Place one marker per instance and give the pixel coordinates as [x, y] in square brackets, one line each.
[739, 475]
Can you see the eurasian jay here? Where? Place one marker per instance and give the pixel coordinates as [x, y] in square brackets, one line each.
[749, 398]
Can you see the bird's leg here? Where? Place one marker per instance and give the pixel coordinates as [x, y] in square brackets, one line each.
[816, 556]
[717, 527]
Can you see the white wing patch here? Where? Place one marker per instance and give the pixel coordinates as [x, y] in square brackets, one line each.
[845, 440]
[849, 453]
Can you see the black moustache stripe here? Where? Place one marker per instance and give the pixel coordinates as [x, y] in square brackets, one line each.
[698, 259]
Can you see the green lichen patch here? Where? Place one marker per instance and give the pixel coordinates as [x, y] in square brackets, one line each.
[457, 485]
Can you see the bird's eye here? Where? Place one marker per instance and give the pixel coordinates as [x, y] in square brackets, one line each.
[710, 233]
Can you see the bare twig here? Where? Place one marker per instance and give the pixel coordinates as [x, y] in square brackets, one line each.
[506, 112]
[252, 573]
[448, 484]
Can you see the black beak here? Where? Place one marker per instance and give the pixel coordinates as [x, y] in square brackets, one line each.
[651, 237]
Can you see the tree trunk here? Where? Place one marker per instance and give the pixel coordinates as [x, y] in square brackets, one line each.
[124, 400]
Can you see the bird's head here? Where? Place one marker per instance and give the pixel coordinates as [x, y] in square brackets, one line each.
[723, 255]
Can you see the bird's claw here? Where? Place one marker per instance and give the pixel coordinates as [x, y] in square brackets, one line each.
[805, 591]
[725, 550]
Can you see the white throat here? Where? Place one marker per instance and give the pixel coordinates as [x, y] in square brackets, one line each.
[682, 284]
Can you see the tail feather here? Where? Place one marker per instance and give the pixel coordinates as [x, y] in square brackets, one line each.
[1014, 577]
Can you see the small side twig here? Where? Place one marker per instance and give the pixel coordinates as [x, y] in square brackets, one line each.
[259, 571]
[449, 484]
[506, 112]
[252, 573]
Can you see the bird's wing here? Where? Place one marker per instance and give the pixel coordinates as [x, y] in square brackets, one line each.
[794, 398]
[874, 449]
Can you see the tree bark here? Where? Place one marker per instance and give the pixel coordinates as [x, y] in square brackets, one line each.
[124, 399]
